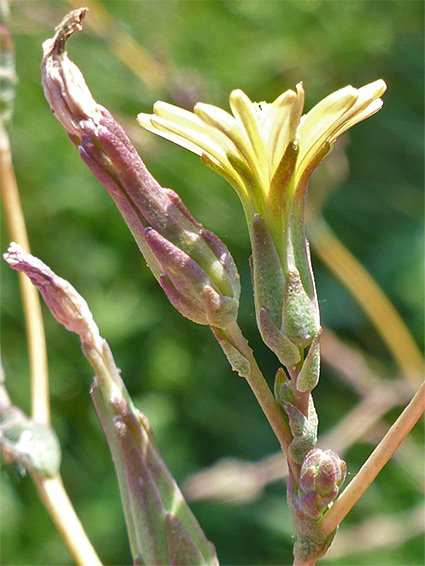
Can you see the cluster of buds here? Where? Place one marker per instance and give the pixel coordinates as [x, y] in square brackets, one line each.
[193, 266]
[322, 474]
[321, 477]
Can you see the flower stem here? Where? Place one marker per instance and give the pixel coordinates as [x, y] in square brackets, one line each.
[55, 498]
[374, 464]
[30, 300]
[264, 395]
[302, 399]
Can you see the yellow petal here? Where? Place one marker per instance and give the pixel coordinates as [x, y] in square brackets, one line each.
[283, 118]
[368, 103]
[322, 120]
[334, 115]
[232, 129]
[145, 121]
[243, 109]
[203, 139]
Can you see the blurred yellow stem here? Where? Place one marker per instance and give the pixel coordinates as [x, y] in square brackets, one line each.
[370, 297]
[60, 508]
[30, 299]
[374, 464]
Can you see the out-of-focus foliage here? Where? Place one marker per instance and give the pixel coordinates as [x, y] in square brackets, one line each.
[200, 411]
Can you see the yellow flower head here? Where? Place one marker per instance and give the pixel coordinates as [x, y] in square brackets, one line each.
[247, 146]
[268, 152]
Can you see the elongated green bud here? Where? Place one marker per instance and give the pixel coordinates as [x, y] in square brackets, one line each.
[269, 291]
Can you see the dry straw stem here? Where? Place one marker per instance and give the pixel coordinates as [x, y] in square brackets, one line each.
[377, 460]
[30, 299]
[56, 500]
[380, 531]
[365, 415]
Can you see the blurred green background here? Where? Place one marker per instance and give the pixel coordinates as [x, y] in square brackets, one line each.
[199, 410]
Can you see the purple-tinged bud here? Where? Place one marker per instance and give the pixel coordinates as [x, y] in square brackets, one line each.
[189, 288]
[67, 306]
[322, 474]
[311, 542]
[304, 430]
[201, 280]
[161, 527]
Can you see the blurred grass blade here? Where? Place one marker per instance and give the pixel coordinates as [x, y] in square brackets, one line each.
[370, 297]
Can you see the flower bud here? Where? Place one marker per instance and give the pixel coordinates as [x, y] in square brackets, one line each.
[32, 446]
[309, 374]
[67, 306]
[192, 265]
[188, 287]
[269, 288]
[161, 527]
[322, 474]
[300, 316]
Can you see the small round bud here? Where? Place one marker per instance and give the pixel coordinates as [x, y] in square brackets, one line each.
[322, 474]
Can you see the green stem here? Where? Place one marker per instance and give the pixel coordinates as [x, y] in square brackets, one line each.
[264, 395]
[302, 399]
